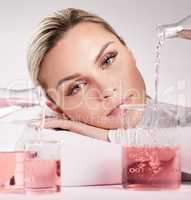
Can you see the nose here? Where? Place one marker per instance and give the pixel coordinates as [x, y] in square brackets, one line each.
[107, 88]
[108, 92]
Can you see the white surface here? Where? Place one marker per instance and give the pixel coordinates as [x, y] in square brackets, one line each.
[106, 192]
[87, 161]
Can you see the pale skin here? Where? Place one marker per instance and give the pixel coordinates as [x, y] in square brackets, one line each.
[102, 71]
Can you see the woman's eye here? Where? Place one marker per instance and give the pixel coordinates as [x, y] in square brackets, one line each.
[108, 60]
[76, 88]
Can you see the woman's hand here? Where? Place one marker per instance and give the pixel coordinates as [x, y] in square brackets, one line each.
[78, 127]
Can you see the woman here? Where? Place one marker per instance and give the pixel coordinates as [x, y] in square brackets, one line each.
[88, 71]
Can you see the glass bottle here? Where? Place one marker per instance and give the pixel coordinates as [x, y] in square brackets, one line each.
[43, 170]
[180, 29]
[150, 149]
[14, 101]
[30, 159]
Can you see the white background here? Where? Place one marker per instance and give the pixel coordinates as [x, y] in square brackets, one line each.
[134, 20]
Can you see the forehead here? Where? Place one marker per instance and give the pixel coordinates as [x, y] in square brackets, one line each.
[76, 50]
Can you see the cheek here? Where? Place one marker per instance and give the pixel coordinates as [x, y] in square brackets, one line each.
[129, 78]
[129, 73]
[86, 111]
[137, 86]
[123, 68]
[135, 79]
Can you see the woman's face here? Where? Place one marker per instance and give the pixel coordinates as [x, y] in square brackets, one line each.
[89, 73]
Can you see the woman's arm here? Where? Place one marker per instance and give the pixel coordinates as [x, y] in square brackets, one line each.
[77, 127]
[114, 135]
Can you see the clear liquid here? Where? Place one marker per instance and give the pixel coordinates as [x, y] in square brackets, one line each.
[185, 34]
[151, 167]
[40, 126]
[13, 100]
[10, 106]
[157, 67]
[12, 170]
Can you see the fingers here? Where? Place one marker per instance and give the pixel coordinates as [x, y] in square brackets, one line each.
[78, 127]
[58, 123]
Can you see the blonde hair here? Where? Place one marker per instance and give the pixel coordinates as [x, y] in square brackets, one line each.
[51, 29]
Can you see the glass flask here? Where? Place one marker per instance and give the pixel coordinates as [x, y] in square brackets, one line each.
[14, 100]
[150, 152]
[180, 29]
[12, 160]
[29, 161]
[43, 170]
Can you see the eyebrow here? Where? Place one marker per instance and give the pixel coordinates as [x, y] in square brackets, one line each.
[102, 50]
[73, 76]
[68, 78]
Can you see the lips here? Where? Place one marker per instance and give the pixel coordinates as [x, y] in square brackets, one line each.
[116, 109]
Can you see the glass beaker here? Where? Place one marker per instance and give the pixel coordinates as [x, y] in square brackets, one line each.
[34, 166]
[11, 160]
[42, 171]
[150, 149]
[12, 171]
[11, 125]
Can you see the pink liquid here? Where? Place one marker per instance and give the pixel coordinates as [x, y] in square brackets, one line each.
[12, 170]
[185, 34]
[151, 167]
[42, 175]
